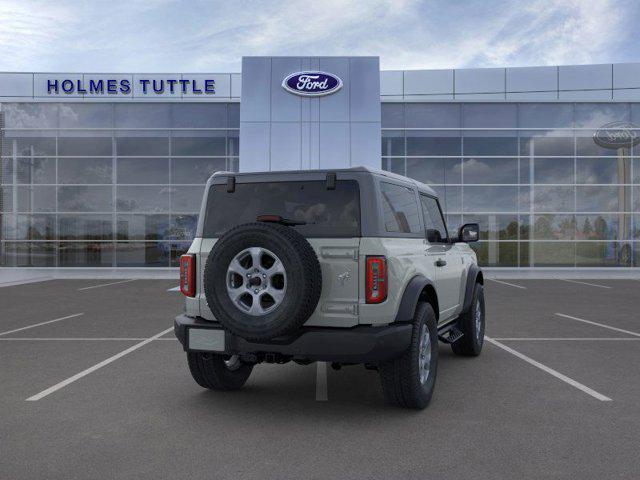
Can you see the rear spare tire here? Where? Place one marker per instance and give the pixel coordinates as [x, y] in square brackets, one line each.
[262, 280]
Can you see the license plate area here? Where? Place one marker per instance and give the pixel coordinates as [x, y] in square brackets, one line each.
[206, 339]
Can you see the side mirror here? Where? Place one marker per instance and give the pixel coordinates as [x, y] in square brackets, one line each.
[433, 236]
[469, 232]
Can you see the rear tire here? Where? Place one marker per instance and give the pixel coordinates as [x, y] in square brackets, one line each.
[470, 345]
[403, 379]
[218, 372]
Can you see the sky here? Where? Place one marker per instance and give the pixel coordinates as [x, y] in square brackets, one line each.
[198, 36]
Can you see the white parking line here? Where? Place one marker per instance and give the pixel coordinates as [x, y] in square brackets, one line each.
[41, 323]
[550, 371]
[321, 382]
[89, 370]
[507, 283]
[84, 339]
[583, 283]
[546, 339]
[599, 324]
[107, 284]
[174, 289]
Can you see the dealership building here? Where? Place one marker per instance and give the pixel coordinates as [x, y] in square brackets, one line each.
[108, 170]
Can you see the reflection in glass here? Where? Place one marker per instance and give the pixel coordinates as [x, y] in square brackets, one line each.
[143, 254]
[435, 170]
[494, 254]
[490, 170]
[85, 170]
[183, 227]
[490, 115]
[554, 227]
[602, 226]
[186, 199]
[392, 143]
[598, 114]
[432, 115]
[553, 170]
[546, 144]
[199, 145]
[81, 254]
[195, 170]
[545, 115]
[433, 143]
[35, 170]
[495, 227]
[147, 146]
[143, 227]
[143, 199]
[603, 170]
[603, 254]
[36, 227]
[394, 165]
[554, 199]
[85, 199]
[142, 115]
[393, 115]
[29, 146]
[89, 115]
[30, 115]
[25, 254]
[85, 227]
[552, 254]
[143, 170]
[90, 146]
[490, 199]
[36, 198]
[603, 198]
[199, 115]
[450, 198]
[489, 143]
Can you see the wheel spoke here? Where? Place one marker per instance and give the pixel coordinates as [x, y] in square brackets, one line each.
[276, 268]
[237, 268]
[256, 255]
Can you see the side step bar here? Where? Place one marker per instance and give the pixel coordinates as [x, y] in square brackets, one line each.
[450, 333]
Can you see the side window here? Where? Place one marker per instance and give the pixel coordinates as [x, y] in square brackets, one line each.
[433, 218]
[400, 209]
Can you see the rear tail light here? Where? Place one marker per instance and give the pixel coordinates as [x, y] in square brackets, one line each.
[377, 280]
[188, 275]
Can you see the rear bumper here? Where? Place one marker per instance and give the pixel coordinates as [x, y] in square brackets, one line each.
[361, 344]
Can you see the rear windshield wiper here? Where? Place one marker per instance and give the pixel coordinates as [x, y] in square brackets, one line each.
[281, 220]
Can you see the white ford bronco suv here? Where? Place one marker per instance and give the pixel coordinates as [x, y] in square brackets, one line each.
[342, 266]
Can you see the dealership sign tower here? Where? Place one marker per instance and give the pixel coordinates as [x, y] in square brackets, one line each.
[300, 113]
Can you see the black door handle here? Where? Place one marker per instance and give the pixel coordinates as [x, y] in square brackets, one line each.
[440, 263]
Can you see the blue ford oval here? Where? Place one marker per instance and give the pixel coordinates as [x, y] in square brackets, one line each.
[312, 83]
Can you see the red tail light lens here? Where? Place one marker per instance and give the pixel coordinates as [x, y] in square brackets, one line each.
[377, 280]
[188, 275]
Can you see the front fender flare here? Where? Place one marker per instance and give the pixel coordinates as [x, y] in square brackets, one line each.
[472, 278]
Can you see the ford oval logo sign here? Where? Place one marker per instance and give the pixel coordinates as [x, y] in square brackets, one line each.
[617, 135]
[312, 83]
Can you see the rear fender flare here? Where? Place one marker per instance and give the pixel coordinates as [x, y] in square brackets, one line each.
[410, 298]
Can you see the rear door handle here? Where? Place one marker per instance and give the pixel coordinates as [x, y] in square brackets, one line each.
[440, 262]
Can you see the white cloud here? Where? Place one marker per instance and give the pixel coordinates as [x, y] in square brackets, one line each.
[173, 36]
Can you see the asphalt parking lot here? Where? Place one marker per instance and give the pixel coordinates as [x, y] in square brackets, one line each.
[94, 385]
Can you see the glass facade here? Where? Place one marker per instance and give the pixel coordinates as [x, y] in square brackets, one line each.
[543, 191]
[108, 184]
[119, 184]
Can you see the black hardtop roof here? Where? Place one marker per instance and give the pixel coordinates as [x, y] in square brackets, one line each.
[373, 171]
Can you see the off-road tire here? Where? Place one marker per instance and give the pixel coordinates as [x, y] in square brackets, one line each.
[210, 371]
[401, 377]
[470, 345]
[304, 280]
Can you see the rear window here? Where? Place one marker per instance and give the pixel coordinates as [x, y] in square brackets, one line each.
[327, 213]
